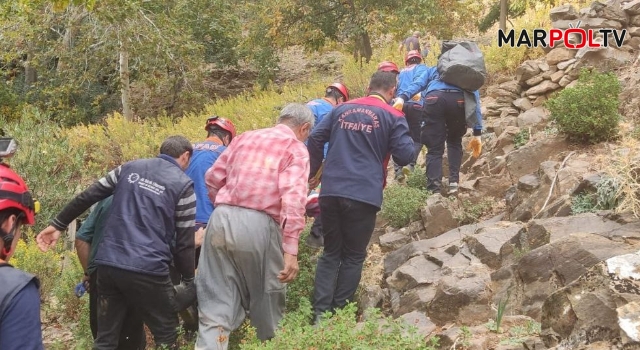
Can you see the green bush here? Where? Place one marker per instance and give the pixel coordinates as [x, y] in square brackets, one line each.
[342, 332]
[588, 112]
[401, 204]
[417, 179]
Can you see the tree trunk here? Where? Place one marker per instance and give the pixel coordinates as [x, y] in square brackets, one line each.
[124, 82]
[30, 74]
[504, 8]
[75, 17]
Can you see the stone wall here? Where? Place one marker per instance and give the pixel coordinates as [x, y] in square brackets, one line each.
[538, 79]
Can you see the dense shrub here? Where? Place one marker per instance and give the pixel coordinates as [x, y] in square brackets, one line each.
[401, 204]
[342, 332]
[588, 112]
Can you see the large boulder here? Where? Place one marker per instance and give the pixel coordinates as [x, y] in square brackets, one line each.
[632, 8]
[588, 23]
[564, 12]
[527, 70]
[533, 117]
[612, 11]
[527, 159]
[604, 58]
[487, 242]
[602, 305]
[559, 54]
[438, 216]
[543, 88]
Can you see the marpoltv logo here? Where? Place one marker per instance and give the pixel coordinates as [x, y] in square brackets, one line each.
[572, 37]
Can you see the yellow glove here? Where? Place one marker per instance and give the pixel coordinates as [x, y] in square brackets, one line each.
[416, 97]
[398, 103]
[475, 145]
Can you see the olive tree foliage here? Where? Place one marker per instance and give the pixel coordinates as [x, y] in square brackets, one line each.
[80, 59]
[355, 23]
[503, 10]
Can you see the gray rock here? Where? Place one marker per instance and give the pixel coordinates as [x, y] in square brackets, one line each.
[634, 31]
[522, 103]
[564, 12]
[527, 70]
[544, 87]
[419, 320]
[392, 241]
[602, 305]
[371, 297]
[535, 80]
[604, 58]
[532, 117]
[632, 8]
[612, 10]
[559, 54]
[528, 182]
[634, 21]
[417, 271]
[588, 23]
[555, 77]
[539, 101]
[564, 64]
[512, 86]
[416, 299]
[488, 241]
[526, 159]
[437, 216]
[565, 81]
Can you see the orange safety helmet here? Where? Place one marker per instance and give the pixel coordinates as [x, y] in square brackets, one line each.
[341, 88]
[412, 54]
[222, 123]
[15, 194]
[388, 66]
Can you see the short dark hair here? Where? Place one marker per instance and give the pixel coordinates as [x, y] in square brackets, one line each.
[175, 146]
[214, 130]
[382, 81]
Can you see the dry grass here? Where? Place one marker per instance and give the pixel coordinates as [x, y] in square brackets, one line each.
[373, 266]
[623, 164]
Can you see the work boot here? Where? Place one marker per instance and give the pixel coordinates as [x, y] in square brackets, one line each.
[315, 242]
[400, 175]
[453, 188]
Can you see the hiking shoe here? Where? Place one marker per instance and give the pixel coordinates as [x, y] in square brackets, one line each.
[406, 171]
[315, 242]
[453, 188]
[400, 175]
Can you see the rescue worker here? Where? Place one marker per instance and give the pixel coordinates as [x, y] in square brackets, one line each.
[20, 327]
[411, 43]
[335, 94]
[445, 121]
[259, 189]
[411, 82]
[151, 222]
[364, 133]
[388, 66]
[220, 132]
[87, 240]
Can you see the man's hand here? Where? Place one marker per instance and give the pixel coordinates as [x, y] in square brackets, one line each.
[47, 238]
[416, 97]
[199, 238]
[398, 103]
[86, 282]
[313, 183]
[185, 294]
[290, 268]
[475, 145]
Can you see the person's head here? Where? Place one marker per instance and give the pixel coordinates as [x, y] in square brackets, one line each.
[383, 83]
[412, 57]
[388, 66]
[299, 118]
[221, 128]
[337, 92]
[179, 148]
[17, 208]
[416, 34]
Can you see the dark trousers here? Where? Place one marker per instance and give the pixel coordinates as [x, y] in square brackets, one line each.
[121, 291]
[132, 336]
[413, 113]
[347, 225]
[444, 121]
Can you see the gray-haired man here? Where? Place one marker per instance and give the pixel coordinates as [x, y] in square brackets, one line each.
[259, 189]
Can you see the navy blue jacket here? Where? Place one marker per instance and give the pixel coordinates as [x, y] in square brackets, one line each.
[20, 327]
[412, 80]
[152, 217]
[362, 133]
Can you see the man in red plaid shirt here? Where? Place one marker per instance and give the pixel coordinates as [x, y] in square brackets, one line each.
[259, 189]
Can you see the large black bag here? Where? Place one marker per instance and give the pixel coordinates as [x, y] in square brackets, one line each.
[462, 64]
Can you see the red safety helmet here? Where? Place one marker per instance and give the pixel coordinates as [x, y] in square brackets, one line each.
[342, 88]
[388, 66]
[15, 194]
[411, 54]
[222, 123]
